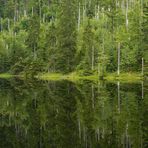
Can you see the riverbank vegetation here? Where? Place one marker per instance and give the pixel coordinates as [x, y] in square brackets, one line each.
[76, 76]
[77, 39]
[6, 76]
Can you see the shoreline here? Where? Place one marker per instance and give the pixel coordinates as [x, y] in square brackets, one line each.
[125, 77]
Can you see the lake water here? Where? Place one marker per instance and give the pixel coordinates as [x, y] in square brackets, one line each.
[62, 114]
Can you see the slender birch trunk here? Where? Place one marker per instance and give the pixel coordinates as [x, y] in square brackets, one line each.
[14, 20]
[8, 24]
[79, 17]
[142, 66]
[98, 12]
[44, 18]
[126, 15]
[93, 54]
[142, 95]
[118, 71]
[118, 84]
[25, 13]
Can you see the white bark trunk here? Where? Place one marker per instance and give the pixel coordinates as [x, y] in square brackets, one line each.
[142, 66]
[118, 72]
[127, 15]
[44, 18]
[98, 12]
[79, 16]
[25, 13]
[118, 84]
[14, 20]
[8, 24]
[142, 95]
[93, 54]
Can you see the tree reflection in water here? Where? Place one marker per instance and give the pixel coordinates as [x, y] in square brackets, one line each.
[66, 115]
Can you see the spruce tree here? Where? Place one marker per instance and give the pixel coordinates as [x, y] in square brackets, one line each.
[66, 36]
[87, 47]
[50, 49]
[33, 31]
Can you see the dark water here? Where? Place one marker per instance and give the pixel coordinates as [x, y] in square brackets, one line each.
[67, 115]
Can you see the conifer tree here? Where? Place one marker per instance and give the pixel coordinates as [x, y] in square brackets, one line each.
[33, 31]
[87, 47]
[66, 36]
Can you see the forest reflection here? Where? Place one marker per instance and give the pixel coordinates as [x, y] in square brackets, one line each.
[63, 114]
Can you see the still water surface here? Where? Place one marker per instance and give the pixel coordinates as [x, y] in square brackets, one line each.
[63, 114]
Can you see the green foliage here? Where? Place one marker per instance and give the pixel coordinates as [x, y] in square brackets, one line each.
[144, 33]
[33, 67]
[66, 37]
[28, 67]
[73, 35]
[33, 35]
[86, 49]
[50, 53]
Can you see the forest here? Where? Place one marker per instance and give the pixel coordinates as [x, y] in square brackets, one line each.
[89, 37]
[73, 73]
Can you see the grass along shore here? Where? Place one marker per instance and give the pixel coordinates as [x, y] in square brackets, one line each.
[129, 77]
[125, 77]
[72, 76]
[6, 76]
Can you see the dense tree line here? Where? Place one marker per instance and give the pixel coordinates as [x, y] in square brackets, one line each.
[77, 35]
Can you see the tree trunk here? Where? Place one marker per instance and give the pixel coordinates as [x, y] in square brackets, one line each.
[118, 96]
[142, 67]
[93, 54]
[118, 72]
[127, 15]
[79, 17]
[8, 24]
